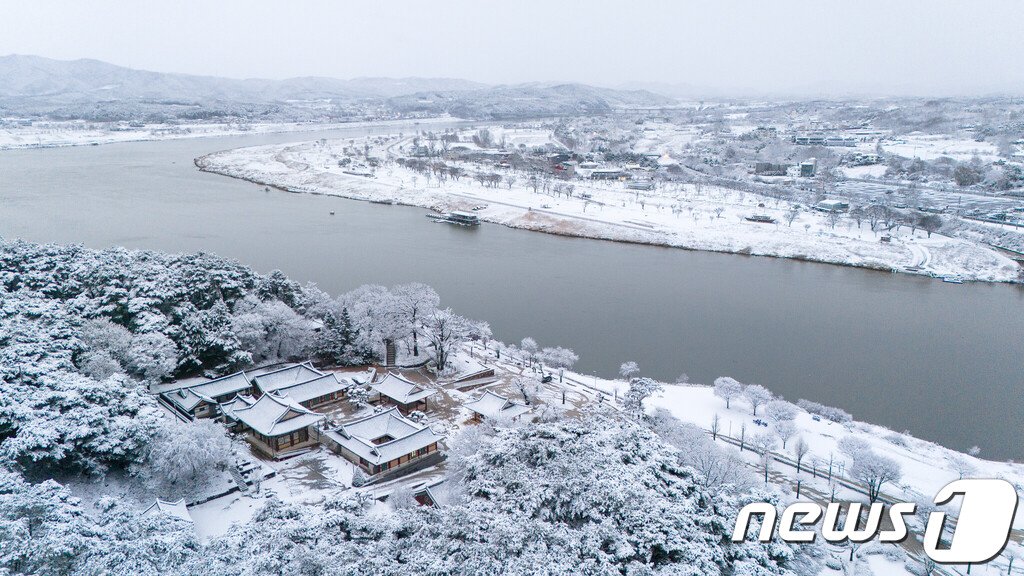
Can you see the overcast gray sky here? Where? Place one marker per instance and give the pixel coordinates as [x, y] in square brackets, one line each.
[785, 46]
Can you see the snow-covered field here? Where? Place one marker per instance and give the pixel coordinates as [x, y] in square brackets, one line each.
[81, 133]
[930, 147]
[684, 216]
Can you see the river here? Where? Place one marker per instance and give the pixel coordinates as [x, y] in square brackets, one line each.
[940, 360]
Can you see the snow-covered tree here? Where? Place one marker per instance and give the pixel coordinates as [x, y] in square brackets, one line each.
[629, 370]
[528, 346]
[781, 411]
[152, 357]
[757, 395]
[445, 331]
[414, 303]
[785, 430]
[961, 465]
[875, 470]
[726, 388]
[800, 450]
[558, 357]
[852, 446]
[183, 456]
[639, 390]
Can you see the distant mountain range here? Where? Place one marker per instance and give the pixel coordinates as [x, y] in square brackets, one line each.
[99, 90]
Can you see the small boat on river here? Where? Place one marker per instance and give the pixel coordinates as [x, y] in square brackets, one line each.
[460, 218]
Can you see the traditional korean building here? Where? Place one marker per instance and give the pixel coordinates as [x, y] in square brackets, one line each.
[201, 400]
[384, 442]
[284, 377]
[176, 509]
[395, 390]
[493, 406]
[433, 494]
[277, 424]
[316, 392]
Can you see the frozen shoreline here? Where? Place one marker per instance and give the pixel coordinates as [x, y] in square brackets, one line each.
[306, 168]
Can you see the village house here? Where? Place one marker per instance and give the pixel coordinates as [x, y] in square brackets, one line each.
[383, 443]
[493, 406]
[397, 391]
[202, 399]
[275, 424]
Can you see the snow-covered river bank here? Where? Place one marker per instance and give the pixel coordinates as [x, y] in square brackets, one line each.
[711, 219]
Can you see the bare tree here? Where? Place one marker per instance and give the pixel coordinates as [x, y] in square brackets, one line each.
[763, 445]
[962, 466]
[929, 223]
[791, 216]
[716, 426]
[800, 450]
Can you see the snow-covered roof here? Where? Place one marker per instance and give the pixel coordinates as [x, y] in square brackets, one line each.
[315, 388]
[176, 509]
[491, 405]
[287, 376]
[274, 415]
[188, 396]
[439, 492]
[401, 390]
[400, 436]
[236, 403]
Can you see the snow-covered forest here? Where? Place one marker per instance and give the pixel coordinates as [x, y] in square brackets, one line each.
[84, 333]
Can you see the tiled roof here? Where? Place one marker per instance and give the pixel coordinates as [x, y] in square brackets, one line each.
[315, 388]
[274, 415]
[401, 390]
[287, 376]
[406, 436]
[190, 395]
[491, 405]
[176, 509]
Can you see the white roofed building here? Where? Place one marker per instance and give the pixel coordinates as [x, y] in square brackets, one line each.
[384, 442]
[201, 400]
[493, 406]
[276, 424]
[284, 377]
[397, 391]
[176, 509]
